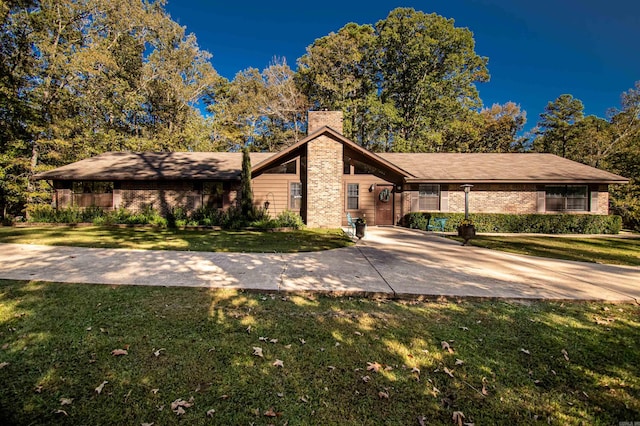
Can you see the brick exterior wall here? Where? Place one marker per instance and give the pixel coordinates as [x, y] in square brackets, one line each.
[318, 119]
[325, 198]
[511, 199]
[603, 200]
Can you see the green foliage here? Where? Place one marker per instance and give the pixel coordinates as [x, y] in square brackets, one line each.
[529, 223]
[246, 193]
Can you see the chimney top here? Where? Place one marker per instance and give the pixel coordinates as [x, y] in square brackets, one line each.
[318, 119]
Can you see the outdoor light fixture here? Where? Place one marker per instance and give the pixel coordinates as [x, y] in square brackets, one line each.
[467, 188]
[266, 205]
[372, 187]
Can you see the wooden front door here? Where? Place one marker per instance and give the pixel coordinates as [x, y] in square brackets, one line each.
[384, 204]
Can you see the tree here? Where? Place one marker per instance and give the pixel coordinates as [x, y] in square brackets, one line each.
[428, 69]
[246, 193]
[557, 134]
[500, 128]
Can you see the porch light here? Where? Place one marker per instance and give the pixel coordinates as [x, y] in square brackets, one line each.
[372, 187]
[266, 205]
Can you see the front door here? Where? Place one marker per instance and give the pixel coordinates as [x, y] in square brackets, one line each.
[384, 204]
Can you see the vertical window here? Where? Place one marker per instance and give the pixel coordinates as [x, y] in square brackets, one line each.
[295, 195]
[567, 198]
[429, 197]
[212, 194]
[353, 196]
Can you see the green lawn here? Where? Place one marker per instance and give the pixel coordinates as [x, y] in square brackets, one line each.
[344, 360]
[611, 250]
[174, 239]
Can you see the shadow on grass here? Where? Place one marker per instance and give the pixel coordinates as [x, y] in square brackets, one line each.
[330, 348]
[174, 239]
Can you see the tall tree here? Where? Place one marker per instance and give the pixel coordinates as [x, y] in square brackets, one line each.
[428, 68]
[246, 193]
[500, 128]
[557, 130]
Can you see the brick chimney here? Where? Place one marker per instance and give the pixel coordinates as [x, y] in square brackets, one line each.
[318, 119]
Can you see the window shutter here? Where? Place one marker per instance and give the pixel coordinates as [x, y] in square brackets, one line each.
[415, 201]
[541, 201]
[593, 204]
[444, 200]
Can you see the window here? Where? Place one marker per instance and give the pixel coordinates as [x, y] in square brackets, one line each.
[295, 195]
[92, 194]
[429, 197]
[212, 194]
[353, 195]
[567, 198]
[287, 168]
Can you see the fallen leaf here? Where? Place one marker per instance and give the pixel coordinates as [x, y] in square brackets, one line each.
[464, 328]
[104, 330]
[180, 403]
[66, 401]
[273, 341]
[249, 332]
[119, 352]
[155, 391]
[449, 372]
[304, 399]
[157, 353]
[270, 413]
[373, 366]
[278, 363]
[435, 391]
[3, 364]
[383, 395]
[99, 388]
[147, 424]
[179, 411]
[458, 417]
[366, 379]
[302, 341]
[446, 346]
[415, 370]
[388, 368]
[459, 362]
[566, 355]
[211, 412]
[484, 387]
[88, 328]
[38, 389]
[257, 352]
[61, 412]
[525, 351]
[263, 339]
[331, 368]
[357, 333]
[421, 420]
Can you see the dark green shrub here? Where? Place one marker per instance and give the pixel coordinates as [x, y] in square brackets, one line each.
[529, 223]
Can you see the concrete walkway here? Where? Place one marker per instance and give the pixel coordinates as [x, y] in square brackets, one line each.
[389, 261]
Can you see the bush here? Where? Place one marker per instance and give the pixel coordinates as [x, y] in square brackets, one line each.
[289, 219]
[528, 223]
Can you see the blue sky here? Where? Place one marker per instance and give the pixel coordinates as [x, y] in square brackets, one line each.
[537, 49]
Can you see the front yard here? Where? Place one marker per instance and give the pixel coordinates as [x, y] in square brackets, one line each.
[609, 250]
[175, 239]
[197, 356]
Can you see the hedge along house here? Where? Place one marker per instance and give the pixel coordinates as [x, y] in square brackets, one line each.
[326, 175]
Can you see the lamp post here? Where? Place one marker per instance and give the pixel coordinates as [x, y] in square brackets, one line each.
[466, 230]
[467, 188]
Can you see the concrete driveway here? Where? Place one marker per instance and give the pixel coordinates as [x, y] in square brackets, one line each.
[389, 261]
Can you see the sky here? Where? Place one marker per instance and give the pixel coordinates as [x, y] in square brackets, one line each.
[537, 49]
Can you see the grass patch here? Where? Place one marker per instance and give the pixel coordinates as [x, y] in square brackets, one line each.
[614, 251]
[175, 239]
[50, 352]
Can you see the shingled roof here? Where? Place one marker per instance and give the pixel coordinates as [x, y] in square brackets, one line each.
[497, 168]
[155, 166]
[415, 167]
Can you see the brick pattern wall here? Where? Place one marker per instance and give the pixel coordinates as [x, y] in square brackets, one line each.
[162, 196]
[603, 200]
[319, 119]
[325, 198]
[512, 199]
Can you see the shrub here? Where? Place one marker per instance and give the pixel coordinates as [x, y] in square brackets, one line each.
[207, 216]
[289, 219]
[529, 223]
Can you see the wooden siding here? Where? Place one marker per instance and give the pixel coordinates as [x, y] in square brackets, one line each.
[367, 200]
[275, 189]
